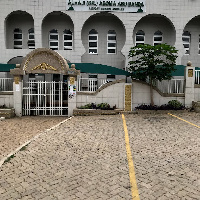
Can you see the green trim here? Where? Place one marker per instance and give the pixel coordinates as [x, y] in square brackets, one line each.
[180, 70]
[92, 68]
[6, 67]
[99, 69]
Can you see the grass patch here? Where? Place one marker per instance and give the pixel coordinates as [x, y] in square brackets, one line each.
[9, 158]
[24, 148]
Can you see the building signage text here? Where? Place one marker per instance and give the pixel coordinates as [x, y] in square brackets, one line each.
[112, 6]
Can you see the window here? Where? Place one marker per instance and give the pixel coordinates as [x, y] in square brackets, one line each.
[53, 39]
[139, 37]
[31, 39]
[18, 38]
[93, 42]
[67, 39]
[186, 37]
[111, 42]
[157, 38]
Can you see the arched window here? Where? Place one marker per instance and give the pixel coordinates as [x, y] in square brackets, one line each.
[139, 37]
[67, 40]
[157, 38]
[53, 39]
[31, 39]
[111, 42]
[93, 42]
[186, 37]
[18, 37]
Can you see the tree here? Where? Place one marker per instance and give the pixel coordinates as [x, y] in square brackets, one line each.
[152, 63]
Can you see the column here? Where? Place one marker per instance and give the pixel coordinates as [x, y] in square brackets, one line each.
[72, 83]
[17, 94]
[189, 84]
[128, 97]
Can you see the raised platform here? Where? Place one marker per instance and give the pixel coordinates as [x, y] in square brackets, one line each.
[7, 112]
[90, 112]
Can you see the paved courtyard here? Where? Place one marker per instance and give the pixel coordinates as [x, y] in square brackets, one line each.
[85, 158]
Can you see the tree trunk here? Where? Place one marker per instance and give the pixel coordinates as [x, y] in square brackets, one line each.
[151, 92]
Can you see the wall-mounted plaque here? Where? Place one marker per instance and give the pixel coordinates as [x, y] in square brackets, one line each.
[72, 80]
[190, 72]
[128, 98]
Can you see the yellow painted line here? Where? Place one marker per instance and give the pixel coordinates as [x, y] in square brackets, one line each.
[134, 189]
[184, 120]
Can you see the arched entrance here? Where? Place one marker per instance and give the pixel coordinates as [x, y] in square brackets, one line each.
[45, 83]
[45, 92]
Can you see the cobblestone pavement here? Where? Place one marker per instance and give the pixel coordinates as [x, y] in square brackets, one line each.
[85, 158]
[166, 154]
[16, 131]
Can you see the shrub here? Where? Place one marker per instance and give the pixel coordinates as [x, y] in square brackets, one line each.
[88, 106]
[175, 104]
[102, 106]
[172, 105]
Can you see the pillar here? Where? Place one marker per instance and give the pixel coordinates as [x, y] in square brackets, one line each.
[72, 84]
[128, 97]
[189, 84]
[17, 94]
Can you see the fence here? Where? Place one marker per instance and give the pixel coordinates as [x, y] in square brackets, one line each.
[197, 76]
[173, 86]
[45, 98]
[90, 84]
[6, 84]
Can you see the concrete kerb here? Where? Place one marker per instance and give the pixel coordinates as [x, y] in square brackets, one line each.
[31, 140]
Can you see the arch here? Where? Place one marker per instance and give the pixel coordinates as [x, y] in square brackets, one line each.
[109, 22]
[16, 60]
[111, 32]
[44, 60]
[152, 23]
[18, 20]
[158, 33]
[190, 37]
[59, 21]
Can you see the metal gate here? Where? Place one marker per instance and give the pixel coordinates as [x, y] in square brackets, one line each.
[45, 98]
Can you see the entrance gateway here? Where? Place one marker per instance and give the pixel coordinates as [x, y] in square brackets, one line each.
[44, 80]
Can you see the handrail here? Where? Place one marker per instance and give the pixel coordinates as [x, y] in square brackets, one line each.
[6, 84]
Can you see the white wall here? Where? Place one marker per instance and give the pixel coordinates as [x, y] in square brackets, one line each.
[197, 94]
[177, 12]
[141, 95]
[6, 99]
[113, 95]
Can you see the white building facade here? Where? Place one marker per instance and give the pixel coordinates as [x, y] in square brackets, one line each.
[101, 37]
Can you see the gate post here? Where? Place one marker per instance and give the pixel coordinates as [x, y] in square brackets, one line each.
[17, 95]
[189, 84]
[72, 82]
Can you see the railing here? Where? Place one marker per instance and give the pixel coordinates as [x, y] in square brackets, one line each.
[197, 76]
[90, 84]
[6, 84]
[173, 86]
